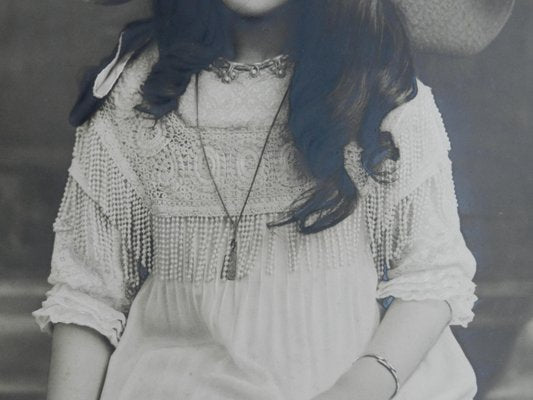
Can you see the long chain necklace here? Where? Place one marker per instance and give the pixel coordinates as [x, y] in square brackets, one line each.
[229, 266]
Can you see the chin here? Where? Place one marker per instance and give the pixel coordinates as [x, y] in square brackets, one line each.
[253, 8]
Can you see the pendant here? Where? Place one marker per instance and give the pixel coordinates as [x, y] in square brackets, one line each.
[231, 261]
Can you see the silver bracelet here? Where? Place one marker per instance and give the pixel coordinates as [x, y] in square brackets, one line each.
[389, 368]
[451, 311]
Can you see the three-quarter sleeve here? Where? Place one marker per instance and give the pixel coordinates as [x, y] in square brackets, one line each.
[88, 285]
[102, 247]
[429, 259]
[417, 236]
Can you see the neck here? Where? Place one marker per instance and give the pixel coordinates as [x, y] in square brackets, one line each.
[258, 38]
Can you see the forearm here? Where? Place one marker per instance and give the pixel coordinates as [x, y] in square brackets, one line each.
[79, 361]
[407, 332]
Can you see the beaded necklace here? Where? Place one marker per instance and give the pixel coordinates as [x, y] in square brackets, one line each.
[228, 70]
[229, 266]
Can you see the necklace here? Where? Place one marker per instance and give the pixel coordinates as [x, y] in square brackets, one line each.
[229, 266]
[228, 71]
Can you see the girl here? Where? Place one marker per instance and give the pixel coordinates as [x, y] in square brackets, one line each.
[248, 179]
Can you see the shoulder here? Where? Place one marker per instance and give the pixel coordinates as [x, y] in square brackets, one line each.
[109, 129]
[417, 119]
[124, 70]
[122, 85]
[418, 130]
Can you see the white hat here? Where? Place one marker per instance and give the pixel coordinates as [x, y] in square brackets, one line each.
[454, 26]
[443, 26]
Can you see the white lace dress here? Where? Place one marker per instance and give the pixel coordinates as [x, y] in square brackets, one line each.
[140, 212]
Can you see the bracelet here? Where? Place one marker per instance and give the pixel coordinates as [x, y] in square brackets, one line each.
[389, 368]
[451, 310]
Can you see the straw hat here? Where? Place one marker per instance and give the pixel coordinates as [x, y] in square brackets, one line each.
[443, 26]
[455, 26]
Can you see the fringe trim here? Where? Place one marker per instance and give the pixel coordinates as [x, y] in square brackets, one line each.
[100, 184]
[192, 249]
[394, 217]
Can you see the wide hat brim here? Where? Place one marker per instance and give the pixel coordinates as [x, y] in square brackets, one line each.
[452, 26]
[442, 26]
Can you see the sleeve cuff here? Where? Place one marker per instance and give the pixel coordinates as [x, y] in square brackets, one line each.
[450, 285]
[69, 306]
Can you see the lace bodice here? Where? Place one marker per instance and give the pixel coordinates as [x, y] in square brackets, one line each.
[167, 161]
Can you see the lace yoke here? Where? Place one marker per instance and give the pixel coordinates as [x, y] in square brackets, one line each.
[149, 180]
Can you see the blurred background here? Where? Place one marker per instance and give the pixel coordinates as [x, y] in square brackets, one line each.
[487, 104]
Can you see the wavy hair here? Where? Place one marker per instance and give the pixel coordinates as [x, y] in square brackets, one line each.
[352, 66]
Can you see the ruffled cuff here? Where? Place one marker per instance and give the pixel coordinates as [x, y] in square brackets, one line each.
[69, 306]
[449, 284]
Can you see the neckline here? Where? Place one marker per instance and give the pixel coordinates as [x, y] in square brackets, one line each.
[183, 114]
[228, 70]
[177, 118]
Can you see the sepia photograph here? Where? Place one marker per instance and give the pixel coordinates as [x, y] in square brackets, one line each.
[266, 200]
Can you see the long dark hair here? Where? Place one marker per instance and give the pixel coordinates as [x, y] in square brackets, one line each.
[352, 66]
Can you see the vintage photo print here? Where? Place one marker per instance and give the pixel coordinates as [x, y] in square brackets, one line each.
[266, 200]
